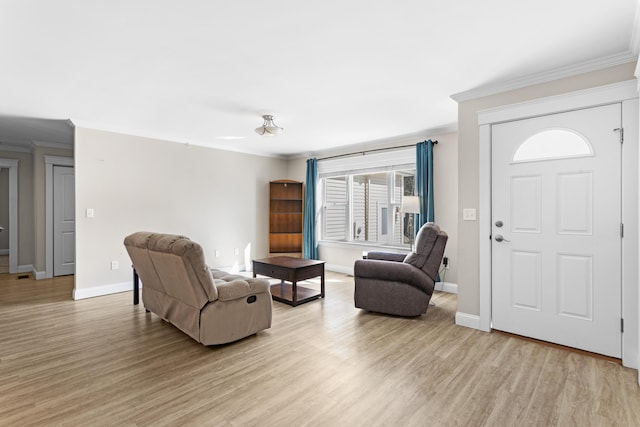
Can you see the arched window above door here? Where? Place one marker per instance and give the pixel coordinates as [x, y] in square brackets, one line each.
[553, 144]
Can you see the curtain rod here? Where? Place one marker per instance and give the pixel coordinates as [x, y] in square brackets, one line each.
[372, 151]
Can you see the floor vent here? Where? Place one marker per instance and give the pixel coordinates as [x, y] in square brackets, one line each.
[23, 276]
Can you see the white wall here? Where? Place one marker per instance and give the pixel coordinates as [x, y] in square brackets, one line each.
[445, 180]
[217, 198]
[341, 257]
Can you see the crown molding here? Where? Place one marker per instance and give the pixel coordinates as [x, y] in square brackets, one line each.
[18, 148]
[29, 146]
[61, 145]
[167, 138]
[368, 145]
[635, 33]
[601, 95]
[547, 76]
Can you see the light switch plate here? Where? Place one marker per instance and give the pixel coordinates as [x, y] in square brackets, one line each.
[90, 213]
[468, 214]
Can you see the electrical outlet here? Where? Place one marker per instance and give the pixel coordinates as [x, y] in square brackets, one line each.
[217, 254]
[445, 262]
[236, 251]
[115, 265]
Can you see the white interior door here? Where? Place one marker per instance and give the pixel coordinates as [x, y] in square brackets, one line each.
[556, 228]
[4, 212]
[64, 221]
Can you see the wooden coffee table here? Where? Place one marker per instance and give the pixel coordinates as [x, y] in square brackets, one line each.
[291, 270]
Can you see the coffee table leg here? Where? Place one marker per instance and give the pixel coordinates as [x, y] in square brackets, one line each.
[322, 284]
[294, 293]
[282, 289]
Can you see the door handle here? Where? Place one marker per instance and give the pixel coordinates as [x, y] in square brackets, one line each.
[499, 238]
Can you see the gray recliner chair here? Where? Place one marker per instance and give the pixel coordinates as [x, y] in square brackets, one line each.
[401, 285]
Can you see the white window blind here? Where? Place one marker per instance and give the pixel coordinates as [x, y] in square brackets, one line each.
[397, 159]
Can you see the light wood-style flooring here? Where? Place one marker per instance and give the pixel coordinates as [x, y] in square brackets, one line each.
[103, 361]
[4, 264]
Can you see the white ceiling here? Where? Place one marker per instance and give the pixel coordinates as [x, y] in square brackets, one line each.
[333, 73]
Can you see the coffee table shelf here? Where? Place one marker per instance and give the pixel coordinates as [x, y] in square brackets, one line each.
[283, 292]
[292, 270]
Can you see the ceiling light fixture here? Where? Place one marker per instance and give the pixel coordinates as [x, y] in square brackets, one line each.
[269, 128]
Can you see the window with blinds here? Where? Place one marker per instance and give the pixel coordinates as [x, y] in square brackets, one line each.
[361, 197]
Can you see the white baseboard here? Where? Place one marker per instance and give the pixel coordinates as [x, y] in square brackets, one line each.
[233, 269]
[468, 320]
[98, 291]
[27, 268]
[339, 269]
[4, 251]
[449, 287]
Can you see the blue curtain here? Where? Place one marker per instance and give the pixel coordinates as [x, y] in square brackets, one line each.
[424, 182]
[309, 245]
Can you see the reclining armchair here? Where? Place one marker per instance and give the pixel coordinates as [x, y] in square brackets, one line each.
[209, 305]
[401, 285]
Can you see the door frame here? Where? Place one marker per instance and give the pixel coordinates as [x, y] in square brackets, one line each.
[12, 165]
[50, 162]
[625, 93]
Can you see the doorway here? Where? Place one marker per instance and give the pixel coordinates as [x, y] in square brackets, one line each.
[10, 228]
[64, 221]
[624, 93]
[52, 162]
[4, 220]
[556, 216]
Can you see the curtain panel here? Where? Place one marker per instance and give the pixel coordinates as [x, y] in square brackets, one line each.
[424, 185]
[424, 182]
[309, 241]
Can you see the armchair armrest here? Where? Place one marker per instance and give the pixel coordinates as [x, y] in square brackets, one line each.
[386, 256]
[240, 288]
[393, 271]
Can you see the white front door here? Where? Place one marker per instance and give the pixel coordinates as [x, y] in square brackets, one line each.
[64, 221]
[556, 228]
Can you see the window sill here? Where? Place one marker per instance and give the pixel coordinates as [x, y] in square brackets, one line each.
[363, 246]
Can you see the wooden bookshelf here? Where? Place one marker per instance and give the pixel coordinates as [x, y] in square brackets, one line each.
[286, 212]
